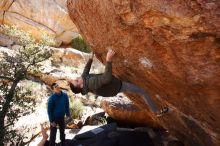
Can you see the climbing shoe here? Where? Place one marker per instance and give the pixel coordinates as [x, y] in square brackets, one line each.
[163, 111]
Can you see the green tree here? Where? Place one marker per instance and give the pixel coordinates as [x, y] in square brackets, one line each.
[15, 65]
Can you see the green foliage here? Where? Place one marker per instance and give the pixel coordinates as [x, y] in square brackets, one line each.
[22, 61]
[80, 44]
[102, 121]
[76, 108]
[15, 66]
[25, 37]
[21, 105]
[47, 40]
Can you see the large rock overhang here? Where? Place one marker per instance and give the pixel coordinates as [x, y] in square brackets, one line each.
[171, 49]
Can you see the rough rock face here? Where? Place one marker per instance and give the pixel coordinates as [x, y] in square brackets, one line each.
[36, 17]
[127, 112]
[171, 49]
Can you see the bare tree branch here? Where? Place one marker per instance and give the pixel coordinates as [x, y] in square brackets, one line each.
[7, 78]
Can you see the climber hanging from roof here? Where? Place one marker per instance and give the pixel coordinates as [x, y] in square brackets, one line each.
[107, 85]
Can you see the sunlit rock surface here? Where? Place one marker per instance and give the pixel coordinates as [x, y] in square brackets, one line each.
[38, 17]
[65, 63]
[171, 49]
[126, 112]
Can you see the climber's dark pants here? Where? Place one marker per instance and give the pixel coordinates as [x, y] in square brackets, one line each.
[128, 87]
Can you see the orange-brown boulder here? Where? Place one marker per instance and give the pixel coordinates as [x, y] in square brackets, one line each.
[126, 112]
[170, 48]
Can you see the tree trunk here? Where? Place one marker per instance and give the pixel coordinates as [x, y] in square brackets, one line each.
[4, 111]
[2, 131]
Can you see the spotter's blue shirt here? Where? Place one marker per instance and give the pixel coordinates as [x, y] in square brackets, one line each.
[58, 106]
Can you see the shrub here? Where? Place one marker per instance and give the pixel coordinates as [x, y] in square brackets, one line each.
[76, 108]
[102, 121]
[25, 37]
[47, 39]
[80, 44]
